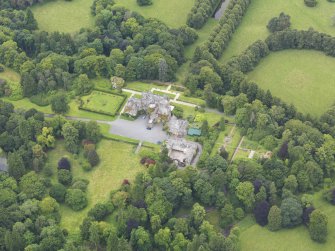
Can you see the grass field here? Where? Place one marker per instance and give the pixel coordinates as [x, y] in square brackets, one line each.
[255, 237]
[192, 100]
[169, 95]
[10, 75]
[143, 87]
[118, 162]
[253, 26]
[64, 16]
[303, 78]
[102, 101]
[172, 12]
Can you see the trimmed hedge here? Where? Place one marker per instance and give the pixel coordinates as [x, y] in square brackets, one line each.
[124, 96]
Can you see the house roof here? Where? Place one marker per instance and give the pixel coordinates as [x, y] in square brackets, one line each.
[178, 127]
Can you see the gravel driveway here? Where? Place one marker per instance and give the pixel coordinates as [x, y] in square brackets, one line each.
[138, 130]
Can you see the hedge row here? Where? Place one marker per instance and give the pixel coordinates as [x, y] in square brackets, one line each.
[222, 33]
[201, 11]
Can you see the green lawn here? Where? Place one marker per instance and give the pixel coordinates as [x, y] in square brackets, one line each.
[118, 162]
[74, 111]
[103, 102]
[192, 100]
[211, 117]
[255, 237]
[172, 12]
[64, 16]
[303, 78]
[253, 26]
[143, 87]
[10, 75]
[169, 95]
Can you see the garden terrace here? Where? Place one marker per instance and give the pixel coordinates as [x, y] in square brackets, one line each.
[102, 102]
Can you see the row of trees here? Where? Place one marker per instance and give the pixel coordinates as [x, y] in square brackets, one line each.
[222, 32]
[200, 12]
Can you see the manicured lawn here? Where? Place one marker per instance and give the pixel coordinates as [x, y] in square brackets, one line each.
[64, 16]
[253, 26]
[118, 162]
[74, 111]
[102, 83]
[102, 101]
[143, 87]
[211, 117]
[255, 237]
[192, 100]
[172, 12]
[303, 78]
[169, 95]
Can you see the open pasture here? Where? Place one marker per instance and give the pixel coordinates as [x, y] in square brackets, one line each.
[303, 78]
[64, 16]
[253, 26]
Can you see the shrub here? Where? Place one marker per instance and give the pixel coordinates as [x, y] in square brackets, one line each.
[64, 163]
[318, 226]
[58, 192]
[48, 171]
[2, 68]
[329, 195]
[93, 158]
[144, 2]
[310, 3]
[59, 103]
[88, 148]
[86, 166]
[80, 184]
[64, 177]
[239, 213]
[101, 210]
[274, 218]
[279, 23]
[76, 199]
[261, 212]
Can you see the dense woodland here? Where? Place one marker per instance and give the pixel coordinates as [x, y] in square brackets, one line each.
[124, 44]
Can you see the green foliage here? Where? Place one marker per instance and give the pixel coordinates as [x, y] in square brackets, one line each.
[64, 177]
[75, 199]
[32, 186]
[291, 211]
[274, 218]
[318, 226]
[59, 103]
[144, 2]
[310, 3]
[279, 23]
[58, 191]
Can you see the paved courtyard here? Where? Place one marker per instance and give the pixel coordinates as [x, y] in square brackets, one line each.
[138, 130]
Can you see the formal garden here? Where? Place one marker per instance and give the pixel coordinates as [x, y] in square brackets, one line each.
[103, 103]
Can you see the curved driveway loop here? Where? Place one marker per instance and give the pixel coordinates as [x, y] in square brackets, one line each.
[138, 130]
